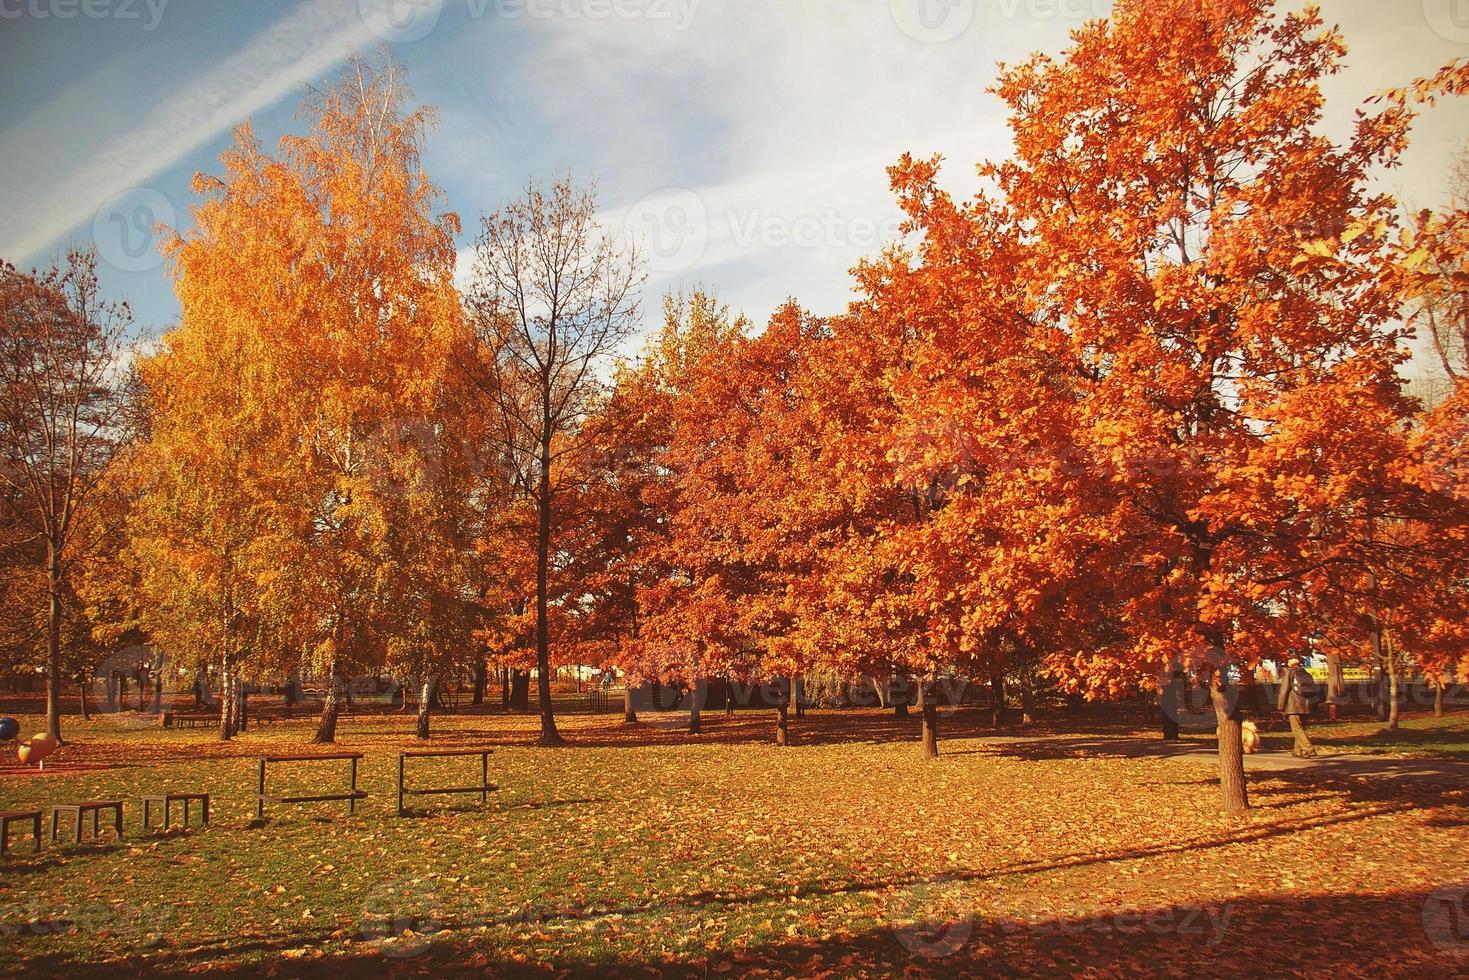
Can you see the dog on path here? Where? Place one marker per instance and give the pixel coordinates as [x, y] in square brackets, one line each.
[1251, 736]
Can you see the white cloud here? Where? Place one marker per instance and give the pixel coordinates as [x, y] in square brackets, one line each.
[297, 47]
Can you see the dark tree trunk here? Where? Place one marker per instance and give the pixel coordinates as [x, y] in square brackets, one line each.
[504, 673]
[53, 642]
[1437, 699]
[1392, 687]
[783, 715]
[326, 728]
[481, 681]
[425, 704]
[629, 711]
[696, 705]
[242, 705]
[82, 690]
[293, 693]
[798, 694]
[930, 721]
[549, 734]
[1232, 789]
[997, 687]
[899, 694]
[1027, 698]
[729, 697]
[520, 690]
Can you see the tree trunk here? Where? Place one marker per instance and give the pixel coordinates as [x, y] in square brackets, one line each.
[53, 642]
[326, 728]
[696, 704]
[158, 687]
[997, 685]
[549, 735]
[226, 702]
[930, 721]
[729, 697]
[898, 694]
[1335, 679]
[1379, 699]
[798, 694]
[481, 681]
[504, 673]
[242, 705]
[782, 716]
[520, 690]
[1303, 748]
[1027, 698]
[1233, 792]
[629, 712]
[82, 690]
[1437, 700]
[425, 703]
[1392, 686]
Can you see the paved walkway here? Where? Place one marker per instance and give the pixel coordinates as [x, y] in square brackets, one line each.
[1445, 772]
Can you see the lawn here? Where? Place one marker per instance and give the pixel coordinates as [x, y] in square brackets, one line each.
[650, 852]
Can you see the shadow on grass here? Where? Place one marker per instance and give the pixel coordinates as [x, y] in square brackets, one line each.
[1408, 933]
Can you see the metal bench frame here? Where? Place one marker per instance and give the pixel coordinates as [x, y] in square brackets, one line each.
[484, 788]
[352, 796]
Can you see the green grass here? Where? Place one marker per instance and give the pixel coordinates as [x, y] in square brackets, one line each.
[652, 850]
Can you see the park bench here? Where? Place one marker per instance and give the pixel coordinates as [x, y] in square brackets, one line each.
[166, 800]
[351, 796]
[79, 810]
[190, 719]
[9, 817]
[484, 788]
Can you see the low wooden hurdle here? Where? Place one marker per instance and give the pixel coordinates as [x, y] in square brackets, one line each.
[351, 796]
[484, 788]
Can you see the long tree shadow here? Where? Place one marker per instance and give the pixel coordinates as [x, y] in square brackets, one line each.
[932, 933]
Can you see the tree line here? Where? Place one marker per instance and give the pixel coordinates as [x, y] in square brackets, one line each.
[1137, 406]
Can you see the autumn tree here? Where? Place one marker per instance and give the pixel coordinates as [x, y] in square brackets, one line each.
[62, 421]
[1172, 285]
[552, 300]
[339, 401]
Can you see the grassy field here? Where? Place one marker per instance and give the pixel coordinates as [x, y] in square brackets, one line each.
[646, 851]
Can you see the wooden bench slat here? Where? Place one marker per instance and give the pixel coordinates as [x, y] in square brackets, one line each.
[445, 753]
[359, 795]
[313, 758]
[457, 789]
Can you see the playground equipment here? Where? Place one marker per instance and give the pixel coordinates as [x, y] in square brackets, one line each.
[36, 750]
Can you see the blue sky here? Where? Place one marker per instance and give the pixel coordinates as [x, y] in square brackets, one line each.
[744, 140]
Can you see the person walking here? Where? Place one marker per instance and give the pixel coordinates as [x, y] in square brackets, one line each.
[1297, 691]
